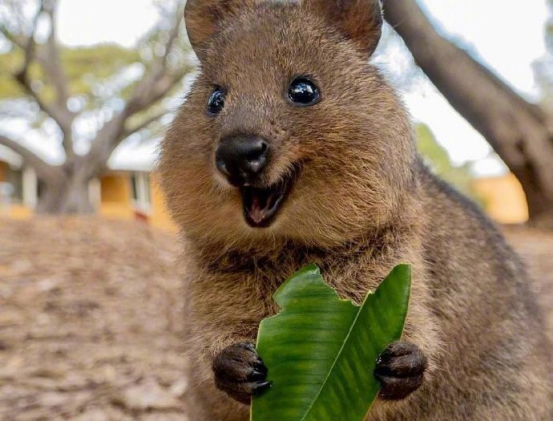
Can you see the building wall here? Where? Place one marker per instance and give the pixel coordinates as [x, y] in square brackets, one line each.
[159, 216]
[20, 212]
[504, 198]
[116, 201]
[17, 211]
[3, 171]
[115, 196]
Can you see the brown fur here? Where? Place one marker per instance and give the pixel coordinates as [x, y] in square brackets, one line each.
[362, 203]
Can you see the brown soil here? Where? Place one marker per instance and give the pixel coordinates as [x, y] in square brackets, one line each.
[90, 321]
[535, 247]
[91, 318]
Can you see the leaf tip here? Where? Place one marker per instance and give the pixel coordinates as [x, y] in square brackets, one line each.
[310, 270]
[404, 270]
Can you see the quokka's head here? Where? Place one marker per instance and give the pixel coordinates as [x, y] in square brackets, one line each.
[288, 133]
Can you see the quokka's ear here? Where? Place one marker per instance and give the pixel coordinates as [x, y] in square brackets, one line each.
[203, 17]
[359, 20]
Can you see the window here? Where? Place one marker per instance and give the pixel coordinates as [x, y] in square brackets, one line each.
[140, 184]
[18, 185]
[12, 188]
[134, 185]
[15, 179]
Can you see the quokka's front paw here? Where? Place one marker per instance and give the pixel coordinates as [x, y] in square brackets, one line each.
[400, 370]
[240, 372]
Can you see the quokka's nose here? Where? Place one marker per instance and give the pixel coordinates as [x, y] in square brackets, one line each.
[242, 157]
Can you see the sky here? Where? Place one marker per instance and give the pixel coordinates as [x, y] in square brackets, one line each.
[506, 35]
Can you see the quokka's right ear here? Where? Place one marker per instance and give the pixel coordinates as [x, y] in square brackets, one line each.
[203, 19]
[359, 20]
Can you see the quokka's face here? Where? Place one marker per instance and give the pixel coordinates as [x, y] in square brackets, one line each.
[288, 132]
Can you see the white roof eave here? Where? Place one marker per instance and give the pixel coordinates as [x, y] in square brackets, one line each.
[10, 157]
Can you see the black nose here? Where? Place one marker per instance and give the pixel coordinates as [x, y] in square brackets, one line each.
[242, 157]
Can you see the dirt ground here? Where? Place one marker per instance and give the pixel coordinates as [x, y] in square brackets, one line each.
[90, 321]
[535, 247]
[91, 318]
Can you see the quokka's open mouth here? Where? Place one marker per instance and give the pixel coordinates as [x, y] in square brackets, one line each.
[261, 204]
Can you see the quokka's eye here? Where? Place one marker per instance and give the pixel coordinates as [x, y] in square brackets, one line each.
[216, 101]
[303, 91]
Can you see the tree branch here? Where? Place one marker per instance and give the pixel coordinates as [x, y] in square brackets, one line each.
[31, 43]
[160, 88]
[143, 125]
[45, 171]
[148, 90]
[113, 132]
[50, 62]
[159, 66]
[103, 145]
[516, 129]
[151, 88]
[17, 41]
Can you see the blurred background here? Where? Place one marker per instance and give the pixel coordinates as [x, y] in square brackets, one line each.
[90, 320]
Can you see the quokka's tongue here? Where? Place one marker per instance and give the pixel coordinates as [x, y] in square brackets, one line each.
[260, 204]
[257, 209]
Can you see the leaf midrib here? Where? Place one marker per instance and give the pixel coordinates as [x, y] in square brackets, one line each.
[335, 361]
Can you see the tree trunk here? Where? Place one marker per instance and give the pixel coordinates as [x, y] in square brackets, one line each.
[69, 196]
[519, 132]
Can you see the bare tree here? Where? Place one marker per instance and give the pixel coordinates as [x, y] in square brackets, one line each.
[66, 185]
[519, 132]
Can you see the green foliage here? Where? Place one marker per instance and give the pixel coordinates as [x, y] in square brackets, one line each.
[10, 63]
[437, 158]
[100, 62]
[84, 67]
[321, 350]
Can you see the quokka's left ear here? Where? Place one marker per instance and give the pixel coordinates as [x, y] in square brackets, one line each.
[204, 17]
[359, 20]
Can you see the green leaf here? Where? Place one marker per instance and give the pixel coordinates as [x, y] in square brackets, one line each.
[321, 350]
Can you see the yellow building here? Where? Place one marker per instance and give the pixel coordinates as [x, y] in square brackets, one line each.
[129, 191]
[132, 195]
[504, 199]
[18, 186]
[126, 191]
